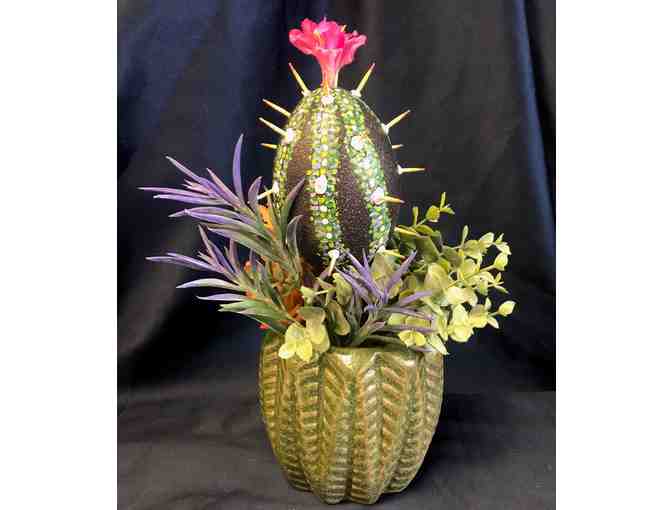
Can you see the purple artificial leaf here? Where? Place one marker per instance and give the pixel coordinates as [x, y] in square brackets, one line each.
[184, 169]
[414, 297]
[356, 263]
[186, 262]
[172, 191]
[191, 200]
[201, 183]
[224, 189]
[204, 210]
[213, 218]
[233, 256]
[359, 290]
[253, 194]
[220, 259]
[410, 313]
[224, 297]
[399, 273]
[367, 280]
[253, 258]
[291, 196]
[198, 188]
[206, 242]
[237, 180]
[217, 211]
[290, 238]
[408, 327]
[363, 274]
[206, 258]
[376, 326]
[373, 307]
[208, 282]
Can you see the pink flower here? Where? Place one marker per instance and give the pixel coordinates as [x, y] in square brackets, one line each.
[330, 44]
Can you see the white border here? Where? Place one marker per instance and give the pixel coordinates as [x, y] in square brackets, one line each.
[58, 342]
[614, 197]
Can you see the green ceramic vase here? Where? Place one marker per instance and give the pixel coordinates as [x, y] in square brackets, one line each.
[353, 425]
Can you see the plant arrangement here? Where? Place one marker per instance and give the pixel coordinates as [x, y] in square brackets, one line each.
[417, 291]
[329, 272]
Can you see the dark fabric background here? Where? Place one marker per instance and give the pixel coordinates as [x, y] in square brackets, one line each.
[479, 77]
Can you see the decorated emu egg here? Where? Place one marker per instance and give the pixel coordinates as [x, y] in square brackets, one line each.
[341, 148]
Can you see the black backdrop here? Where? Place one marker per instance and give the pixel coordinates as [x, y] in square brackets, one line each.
[479, 77]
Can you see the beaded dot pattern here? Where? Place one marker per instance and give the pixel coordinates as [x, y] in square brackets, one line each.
[322, 177]
[333, 119]
[366, 166]
[285, 148]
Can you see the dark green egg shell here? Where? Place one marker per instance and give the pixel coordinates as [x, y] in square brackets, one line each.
[339, 145]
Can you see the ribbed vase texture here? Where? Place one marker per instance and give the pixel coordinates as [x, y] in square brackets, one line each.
[353, 425]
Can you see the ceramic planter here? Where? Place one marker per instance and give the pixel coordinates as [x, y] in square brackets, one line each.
[353, 425]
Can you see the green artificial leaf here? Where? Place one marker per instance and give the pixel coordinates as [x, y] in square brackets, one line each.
[343, 289]
[341, 325]
[501, 261]
[503, 247]
[487, 239]
[442, 325]
[411, 338]
[465, 233]
[506, 308]
[304, 350]
[456, 296]
[460, 315]
[436, 342]
[452, 256]
[323, 347]
[293, 338]
[473, 249]
[418, 322]
[396, 319]
[460, 327]
[468, 268]
[436, 279]
[312, 314]
[433, 214]
[427, 248]
[317, 334]
[381, 269]
[287, 349]
[406, 234]
[478, 316]
[445, 265]
[308, 295]
[294, 333]
[426, 230]
[461, 333]
[411, 284]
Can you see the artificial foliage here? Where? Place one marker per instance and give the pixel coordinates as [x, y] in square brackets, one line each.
[418, 291]
[326, 265]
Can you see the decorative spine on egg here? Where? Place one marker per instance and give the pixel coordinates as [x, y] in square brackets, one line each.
[335, 141]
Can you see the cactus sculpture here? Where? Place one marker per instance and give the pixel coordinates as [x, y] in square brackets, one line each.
[341, 148]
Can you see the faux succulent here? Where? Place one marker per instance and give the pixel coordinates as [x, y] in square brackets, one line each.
[417, 292]
[326, 265]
